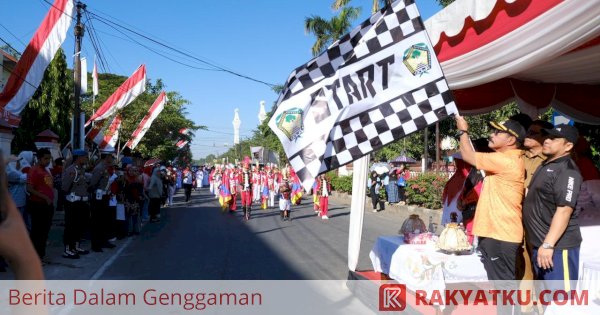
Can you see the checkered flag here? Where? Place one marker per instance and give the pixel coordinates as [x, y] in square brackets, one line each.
[377, 84]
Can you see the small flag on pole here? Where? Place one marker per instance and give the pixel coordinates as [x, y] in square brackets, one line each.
[379, 83]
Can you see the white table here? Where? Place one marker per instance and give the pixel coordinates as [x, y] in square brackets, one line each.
[422, 267]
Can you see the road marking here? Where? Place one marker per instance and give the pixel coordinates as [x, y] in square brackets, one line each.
[111, 260]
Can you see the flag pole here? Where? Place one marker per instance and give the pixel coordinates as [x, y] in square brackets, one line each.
[357, 209]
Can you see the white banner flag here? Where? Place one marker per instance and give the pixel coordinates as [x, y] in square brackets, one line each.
[84, 78]
[95, 79]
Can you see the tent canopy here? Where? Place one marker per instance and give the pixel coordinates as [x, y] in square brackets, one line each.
[538, 53]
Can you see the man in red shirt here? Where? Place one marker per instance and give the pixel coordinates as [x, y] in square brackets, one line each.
[41, 201]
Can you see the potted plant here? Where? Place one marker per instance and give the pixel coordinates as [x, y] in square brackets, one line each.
[382, 197]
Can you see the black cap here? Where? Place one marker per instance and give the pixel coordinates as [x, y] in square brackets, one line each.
[564, 131]
[512, 127]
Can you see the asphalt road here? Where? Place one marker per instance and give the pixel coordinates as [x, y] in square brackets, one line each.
[197, 241]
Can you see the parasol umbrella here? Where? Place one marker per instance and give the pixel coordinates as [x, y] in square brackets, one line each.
[403, 159]
[151, 162]
[380, 168]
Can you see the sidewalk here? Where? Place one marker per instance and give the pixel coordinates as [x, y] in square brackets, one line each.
[395, 211]
[59, 268]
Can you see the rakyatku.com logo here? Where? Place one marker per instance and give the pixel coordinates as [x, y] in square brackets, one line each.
[392, 297]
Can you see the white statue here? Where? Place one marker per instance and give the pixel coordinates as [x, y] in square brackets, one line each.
[236, 126]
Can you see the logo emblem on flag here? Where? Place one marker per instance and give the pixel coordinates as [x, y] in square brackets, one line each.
[417, 59]
[290, 123]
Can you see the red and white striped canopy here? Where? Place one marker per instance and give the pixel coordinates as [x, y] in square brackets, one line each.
[539, 53]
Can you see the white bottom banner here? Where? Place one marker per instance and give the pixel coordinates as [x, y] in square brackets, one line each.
[282, 297]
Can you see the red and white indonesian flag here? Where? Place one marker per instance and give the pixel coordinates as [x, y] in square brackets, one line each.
[106, 138]
[144, 125]
[185, 131]
[125, 94]
[95, 79]
[29, 71]
[181, 143]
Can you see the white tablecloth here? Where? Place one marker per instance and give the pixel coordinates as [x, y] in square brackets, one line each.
[422, 267]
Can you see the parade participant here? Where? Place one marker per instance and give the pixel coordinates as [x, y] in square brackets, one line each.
[285, 200]
[324, 190]
[271, 186]
[247, 186]
[497, 220]
[255, 185]
[199, 178]
[217, 182]
[172, 182]
[57, 171]
[77, 212]
[549, 214]
[155, 193]
[232, 184]
[100, 185]
[297, 189]
[211, 176]
[40, 204]
[187, 183]
[264, 188]
[315, 192]
[134, 199]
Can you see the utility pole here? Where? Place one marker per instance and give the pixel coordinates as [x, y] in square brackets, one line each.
[78, 141]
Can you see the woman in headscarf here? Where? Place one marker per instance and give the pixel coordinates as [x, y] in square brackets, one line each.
[155, 191]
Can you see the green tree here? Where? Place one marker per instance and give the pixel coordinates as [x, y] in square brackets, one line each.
[328, 31]
[50, 107]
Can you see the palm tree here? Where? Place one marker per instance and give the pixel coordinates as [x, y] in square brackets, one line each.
[328, 31]
[377, 4]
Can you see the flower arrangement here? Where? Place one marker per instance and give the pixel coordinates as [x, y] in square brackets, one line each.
[382, 193]
[449, 144]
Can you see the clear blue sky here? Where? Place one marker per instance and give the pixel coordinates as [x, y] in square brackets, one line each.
[263, 39]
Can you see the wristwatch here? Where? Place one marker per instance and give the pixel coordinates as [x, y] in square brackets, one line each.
[547, 246]
[460, 133]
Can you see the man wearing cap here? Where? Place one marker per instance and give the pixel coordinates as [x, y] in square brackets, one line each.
[549, 214]
[77, 212]
[497, 220]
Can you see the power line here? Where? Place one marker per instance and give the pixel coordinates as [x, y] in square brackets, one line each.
[100, 18]
[18, 76]
[13, 35]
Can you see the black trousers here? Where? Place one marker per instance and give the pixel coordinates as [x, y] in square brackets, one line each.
[99, 226]
[77, 215]
[499, 258]
[188, 191]
[41, 221]
[374, 197]
[154, 207]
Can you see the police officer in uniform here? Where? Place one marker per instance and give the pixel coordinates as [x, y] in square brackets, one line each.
[100, 184]
[77, 212]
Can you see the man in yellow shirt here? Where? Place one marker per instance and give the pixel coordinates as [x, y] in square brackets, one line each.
[497, 220]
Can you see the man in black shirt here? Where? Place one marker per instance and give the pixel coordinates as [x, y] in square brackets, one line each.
[549, 215]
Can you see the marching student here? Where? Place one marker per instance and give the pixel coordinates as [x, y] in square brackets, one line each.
[324, 190]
